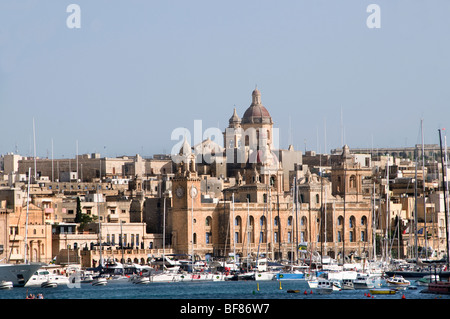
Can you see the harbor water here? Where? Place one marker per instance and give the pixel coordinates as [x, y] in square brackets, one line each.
[207, 290]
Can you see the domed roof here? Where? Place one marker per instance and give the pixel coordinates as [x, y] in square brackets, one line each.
[235, 118]
[256, 113]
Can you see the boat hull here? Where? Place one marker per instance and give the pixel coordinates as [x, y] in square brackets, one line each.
[438, 288]
[417, 274]
[18, 274]
[290, 276]
[382, 291]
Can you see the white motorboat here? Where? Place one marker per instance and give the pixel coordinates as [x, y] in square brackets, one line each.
[43, 278]
[363, 281]
[99, 281]
[6, 285]
[324, 286]
[49, 284]
[170, 275]
[18, 274]
[140, 280]
[347, 284]
[266, 275]
[398, 281]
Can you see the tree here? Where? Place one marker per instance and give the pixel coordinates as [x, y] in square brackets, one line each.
[82, 219]
[78, 216]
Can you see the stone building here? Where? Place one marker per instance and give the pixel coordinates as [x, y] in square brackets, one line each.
[258, 211]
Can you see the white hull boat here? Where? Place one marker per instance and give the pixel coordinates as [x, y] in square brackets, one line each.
[363, 281]
[6, 285]
[398, 281]
[324, 286]
[18, 274]
[165, 277]
[99, 281]
[42, 278]
[140, 280]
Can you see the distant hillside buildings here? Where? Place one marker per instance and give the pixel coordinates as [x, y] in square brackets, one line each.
[244, 197]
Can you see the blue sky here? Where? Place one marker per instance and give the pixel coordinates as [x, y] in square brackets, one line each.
[137, 70]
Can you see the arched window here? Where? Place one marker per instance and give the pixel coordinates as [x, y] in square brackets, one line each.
[351, 222]
[262, 221]
[208, 221]
[363, 220]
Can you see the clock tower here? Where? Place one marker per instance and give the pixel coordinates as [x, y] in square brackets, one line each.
[186, 206]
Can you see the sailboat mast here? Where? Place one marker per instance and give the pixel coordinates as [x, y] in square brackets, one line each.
[423, 190]
[164, 233]
[444, 184]
[374, 242]
[296, 218]
[387, 211]
[192, 227]
[34, 146]
[26, 222]
[234, 233]
[416, 252]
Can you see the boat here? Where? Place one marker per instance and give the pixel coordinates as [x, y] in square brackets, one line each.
[425, 280]
[6, 285]
[140, 280]
[347, 284]
[337, 286]
[49, 284]
[86, 278]
[293, 291]
[363, 281]
[383, 291]
[18, 274]
[440, 287]
[292, 272]
[43, 278]
[398, 281]
[99, 281]
[171, 274]
[324, 286]
[196, 277]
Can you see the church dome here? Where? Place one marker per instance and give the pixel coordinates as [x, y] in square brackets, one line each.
[256, 113]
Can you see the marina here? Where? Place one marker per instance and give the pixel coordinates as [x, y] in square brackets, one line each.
[292, 289]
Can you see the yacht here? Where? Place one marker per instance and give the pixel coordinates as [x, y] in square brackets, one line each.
[397, 281]
[324, 286]
[363, 281]
[18, 274]
[43, 278]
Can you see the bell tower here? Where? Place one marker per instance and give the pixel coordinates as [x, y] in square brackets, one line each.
[186, 201]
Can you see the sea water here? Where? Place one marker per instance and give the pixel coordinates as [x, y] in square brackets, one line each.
[206, 290]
